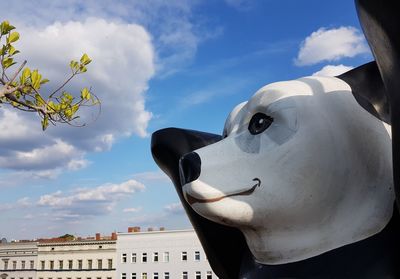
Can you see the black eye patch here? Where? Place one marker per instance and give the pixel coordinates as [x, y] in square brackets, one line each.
[259, 123]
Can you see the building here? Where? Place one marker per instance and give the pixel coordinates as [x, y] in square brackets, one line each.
[18, 260]
[161, 255]
[78, 259]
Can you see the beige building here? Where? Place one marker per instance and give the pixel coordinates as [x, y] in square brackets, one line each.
[18, 260]
[79, 259]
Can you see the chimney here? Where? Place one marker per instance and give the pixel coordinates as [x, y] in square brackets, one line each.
[133, 229]
[114, 236]
[97, 236]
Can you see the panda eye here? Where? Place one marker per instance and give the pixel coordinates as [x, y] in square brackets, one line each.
[259, 123]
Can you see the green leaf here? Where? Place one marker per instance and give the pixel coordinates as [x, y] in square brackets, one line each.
[13, 37]
[12, 51]
[35, 78]
[43, 81]
[8, 62]
[5, 27]
[39, 100]
[45, 122]
[26, 73]
[74, 65]
[74, 109]
[85, 94]
[85, 59]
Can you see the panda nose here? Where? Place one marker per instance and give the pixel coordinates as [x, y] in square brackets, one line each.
[189, 167]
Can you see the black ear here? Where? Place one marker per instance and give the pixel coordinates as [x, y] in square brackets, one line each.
[376, 85]
[381, 25]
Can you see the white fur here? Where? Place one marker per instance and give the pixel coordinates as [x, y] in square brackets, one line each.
[324, 165]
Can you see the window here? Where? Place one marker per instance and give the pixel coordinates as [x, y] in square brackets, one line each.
[51, 265]
[144, 275]
[155, 275]
[209, 275]
[90, 264]
[166, 275]
[123, 258]
[155, 257]
[22, 264]
[61, 264]
[79, 264]
[99, 264]
[184, 275]
[69, 264]
[197, 255]
[42, 265]
[109, 263]
[123, 275]
[32, 266]
[184, 256]
[5, 264]
[14, 264]
[198, 275]
[144, 259]
[133, 276]
[133, 258]
[166, 257]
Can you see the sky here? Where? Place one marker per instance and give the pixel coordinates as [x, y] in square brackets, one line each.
[156, 64]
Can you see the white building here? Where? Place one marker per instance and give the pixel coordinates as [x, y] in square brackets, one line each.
[18, 260]
[80, 259]
[161, 255]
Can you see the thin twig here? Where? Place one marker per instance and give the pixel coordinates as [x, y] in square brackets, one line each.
[17, 72]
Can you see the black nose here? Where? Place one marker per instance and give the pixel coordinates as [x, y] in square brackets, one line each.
[189, 167]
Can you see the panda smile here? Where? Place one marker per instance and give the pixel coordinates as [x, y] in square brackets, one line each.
[191, 200]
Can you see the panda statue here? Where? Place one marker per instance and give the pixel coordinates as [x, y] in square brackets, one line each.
[303, 181]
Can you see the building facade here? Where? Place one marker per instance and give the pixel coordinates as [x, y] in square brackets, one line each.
[84, 259]
[18, 260]
[161, 255]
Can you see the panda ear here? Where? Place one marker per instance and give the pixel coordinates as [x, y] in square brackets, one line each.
[381, 25]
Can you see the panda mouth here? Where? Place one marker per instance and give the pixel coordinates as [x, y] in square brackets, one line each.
[191, 200]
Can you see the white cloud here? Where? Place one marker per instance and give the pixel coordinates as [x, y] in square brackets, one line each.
[148, 177]
[332, 70]
[170, 22]
[132, 210]
[89, 202]
[174, 208]
[331, 45]
[123, 63]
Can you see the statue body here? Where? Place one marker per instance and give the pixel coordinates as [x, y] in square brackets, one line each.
[300, 184]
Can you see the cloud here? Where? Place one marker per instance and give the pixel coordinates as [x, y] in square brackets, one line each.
[331, 45]
[87, 202]
[132, 210]
[174, 208]
[123, 63]
[154, 176]
[240, 5]
[24, 202]
[170, 22]
[332, 70]
[172, 215]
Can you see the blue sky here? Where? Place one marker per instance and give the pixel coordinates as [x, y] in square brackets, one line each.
[156, 64]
